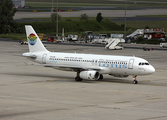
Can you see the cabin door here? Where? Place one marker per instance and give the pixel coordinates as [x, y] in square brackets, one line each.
[44, 58]
[130, 66]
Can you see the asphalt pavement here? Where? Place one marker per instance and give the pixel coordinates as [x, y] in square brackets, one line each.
[120, 14]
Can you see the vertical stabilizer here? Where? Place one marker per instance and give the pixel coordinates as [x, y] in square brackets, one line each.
[34, 43]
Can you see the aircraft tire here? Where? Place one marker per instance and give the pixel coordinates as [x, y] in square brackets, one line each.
[78, 79]
[101, 77]
[135, 82]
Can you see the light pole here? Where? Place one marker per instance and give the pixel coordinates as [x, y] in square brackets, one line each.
[52, 6]
[57, 21]
[125, 20]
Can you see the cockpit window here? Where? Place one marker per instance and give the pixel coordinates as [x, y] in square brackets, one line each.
[146, 63]
[142, 63]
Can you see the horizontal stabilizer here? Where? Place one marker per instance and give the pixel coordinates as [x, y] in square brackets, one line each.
[29, 55]
[32, 64]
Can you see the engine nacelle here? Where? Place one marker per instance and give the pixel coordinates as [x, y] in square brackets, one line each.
[117, 75]
[89, 75]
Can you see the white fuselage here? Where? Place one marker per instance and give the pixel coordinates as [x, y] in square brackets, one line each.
[104, 64]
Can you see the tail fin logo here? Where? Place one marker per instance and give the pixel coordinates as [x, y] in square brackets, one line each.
[32, 39]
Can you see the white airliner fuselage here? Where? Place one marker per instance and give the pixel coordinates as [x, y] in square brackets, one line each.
[87, 66]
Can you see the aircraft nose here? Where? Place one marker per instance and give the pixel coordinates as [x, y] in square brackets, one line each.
[152, 69]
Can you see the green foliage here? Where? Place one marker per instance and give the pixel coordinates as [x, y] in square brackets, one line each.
[6, 16]
[74, 26]
[54, 17]
[122, 25]
[139, 39]
[99, 17]
[142, 24]
[147, 27]
[68, 20]
[14, 36]
[154, 41]
[84, 17]
[109, 25]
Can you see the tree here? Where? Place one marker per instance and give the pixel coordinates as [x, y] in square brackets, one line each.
[7, 12]
[147, 27]
[84, 17]
[99, 18]
[54, 17]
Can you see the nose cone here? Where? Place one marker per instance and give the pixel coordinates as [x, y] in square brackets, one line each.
[151, 69]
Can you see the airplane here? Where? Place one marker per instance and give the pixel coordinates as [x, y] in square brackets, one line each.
[86, 66]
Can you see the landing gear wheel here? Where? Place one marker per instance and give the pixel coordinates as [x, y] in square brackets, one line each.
[135, 82]
[134, 78]
[101, 77]
[78, 79]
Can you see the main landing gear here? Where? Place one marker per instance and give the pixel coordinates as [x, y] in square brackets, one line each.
[101, 77]
[134, 79]
[77, 78]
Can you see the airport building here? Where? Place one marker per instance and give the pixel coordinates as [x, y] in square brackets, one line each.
[19, 3]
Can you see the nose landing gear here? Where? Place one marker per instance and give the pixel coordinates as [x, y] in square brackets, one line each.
[134, 79]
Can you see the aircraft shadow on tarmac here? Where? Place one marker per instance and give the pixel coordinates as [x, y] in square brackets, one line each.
[59, 78]
[56, 78]
[7, 115]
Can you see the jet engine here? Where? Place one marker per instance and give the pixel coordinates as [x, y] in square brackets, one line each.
[89, 75]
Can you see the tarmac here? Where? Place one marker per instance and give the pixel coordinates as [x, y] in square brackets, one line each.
[93, 13]
[39, 93]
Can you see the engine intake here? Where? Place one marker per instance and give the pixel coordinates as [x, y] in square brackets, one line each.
[89, 75]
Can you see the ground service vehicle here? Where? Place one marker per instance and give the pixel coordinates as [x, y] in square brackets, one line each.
[163, 45]
[51, 39]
